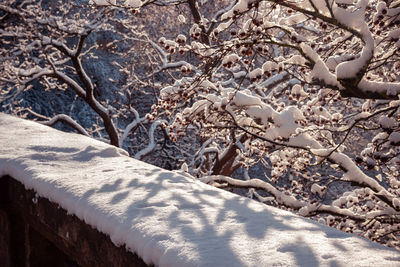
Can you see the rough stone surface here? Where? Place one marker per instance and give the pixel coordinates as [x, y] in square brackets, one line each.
[43, 234]
[4, 239]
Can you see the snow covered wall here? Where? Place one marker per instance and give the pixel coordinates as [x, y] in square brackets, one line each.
[167, 218]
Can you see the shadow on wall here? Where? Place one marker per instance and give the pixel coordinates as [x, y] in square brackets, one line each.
[167, 216]
[204, 225]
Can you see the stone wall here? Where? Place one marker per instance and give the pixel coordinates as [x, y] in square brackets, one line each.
[37, 232]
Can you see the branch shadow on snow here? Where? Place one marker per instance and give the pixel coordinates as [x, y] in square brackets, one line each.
[190, 218]
[210, 221]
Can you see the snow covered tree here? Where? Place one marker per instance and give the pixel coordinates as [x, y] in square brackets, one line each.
[48, 44]
[295, 101]
[306, 90]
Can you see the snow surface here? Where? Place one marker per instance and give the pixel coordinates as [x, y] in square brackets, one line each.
[169, 218]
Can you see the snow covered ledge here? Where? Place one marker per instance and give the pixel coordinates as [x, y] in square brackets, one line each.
[167, 218]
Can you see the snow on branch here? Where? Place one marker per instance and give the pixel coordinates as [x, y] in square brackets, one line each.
[68, 120]
[152, 144]
[280, 197]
